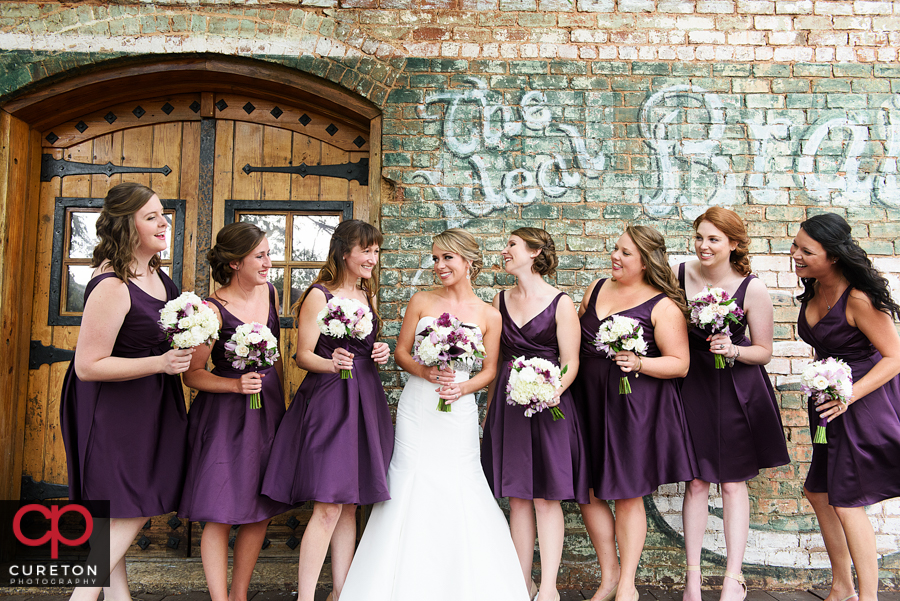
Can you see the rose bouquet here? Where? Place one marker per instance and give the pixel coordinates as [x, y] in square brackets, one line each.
[823, 381]
[342, 317]
[621, 334]
[188, 321]
[713, 311]
[252, 345]
[448, 342]
[532, 384]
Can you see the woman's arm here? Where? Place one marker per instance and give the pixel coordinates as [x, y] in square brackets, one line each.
[489, 367]
[759, 312]
[568, 333]
[104, 313]
[670, 334]
[586, 299]
[308, 336]
[407, 338]
[496, 360]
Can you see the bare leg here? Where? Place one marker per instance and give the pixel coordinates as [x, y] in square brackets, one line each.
[601, 527]
[631, 531]
[343, 545]
[694, 513]
[249, 542]
[736, 505]
[835, 544]
[551, 529]
[861, 541]
[214, 552]
[523, 532]
[121, 534]
[314, 546]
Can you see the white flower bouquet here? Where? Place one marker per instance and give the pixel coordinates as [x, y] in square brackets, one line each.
[621, 334]
[713, 311]
[188, 321]
[345, 317]
[532, 384]
[448, 342]
[826, 380]
[252, 345]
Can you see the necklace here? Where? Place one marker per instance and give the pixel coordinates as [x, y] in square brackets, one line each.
[825, 296]
[716, 283]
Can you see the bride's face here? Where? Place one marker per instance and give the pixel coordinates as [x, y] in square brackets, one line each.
[449, 267]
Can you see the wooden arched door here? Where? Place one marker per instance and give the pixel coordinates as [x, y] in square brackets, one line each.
[213, 157]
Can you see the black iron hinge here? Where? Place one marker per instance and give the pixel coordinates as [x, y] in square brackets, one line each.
[51, 168]
[39, 355]
[358, 171]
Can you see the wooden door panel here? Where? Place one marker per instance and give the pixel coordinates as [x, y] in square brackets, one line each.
[309, 151]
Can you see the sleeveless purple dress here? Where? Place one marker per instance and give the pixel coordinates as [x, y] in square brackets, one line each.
[335, 442]
[532, 457]
[127, 441]
[230, 443]
[732, 413]
[860, 465]
[635, 441]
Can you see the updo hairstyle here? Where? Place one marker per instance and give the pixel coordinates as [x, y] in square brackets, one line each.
[233, 242]
[537, 239]
[460, 242]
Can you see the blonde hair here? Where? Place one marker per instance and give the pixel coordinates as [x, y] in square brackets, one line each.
[537, 239]
[652, 247]
[118, 235]
[462, 243]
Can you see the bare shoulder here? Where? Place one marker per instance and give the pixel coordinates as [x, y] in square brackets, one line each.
[757, 289]
[859, 301]
[491, 316]
[667, 309]
[565, 302]
[111, 289]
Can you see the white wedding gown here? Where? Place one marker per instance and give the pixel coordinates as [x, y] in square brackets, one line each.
[441, 536]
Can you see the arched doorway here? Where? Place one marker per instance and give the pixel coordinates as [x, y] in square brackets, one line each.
[219, 140]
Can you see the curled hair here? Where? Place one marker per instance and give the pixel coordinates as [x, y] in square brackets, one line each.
[116, 230]
[460, 242]
[833, 233]
[347, 236]
[658, 273]
[233, 242]
[537, 239]
[730, 224]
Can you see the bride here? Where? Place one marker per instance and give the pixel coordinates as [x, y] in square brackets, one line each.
[441, 531]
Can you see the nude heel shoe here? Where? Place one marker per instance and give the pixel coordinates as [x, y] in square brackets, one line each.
[740, 578]
[533, 590]
[612, 594]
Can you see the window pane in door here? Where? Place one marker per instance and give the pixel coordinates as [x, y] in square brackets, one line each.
[312, 234]
[83, 237]
[273, 226]
[77, 278]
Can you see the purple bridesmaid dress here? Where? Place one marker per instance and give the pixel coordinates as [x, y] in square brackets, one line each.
[532, 457]
[860, 465]
[732, 413]
[635, 441]
[335, 442]
[230, 443]
[126, 441]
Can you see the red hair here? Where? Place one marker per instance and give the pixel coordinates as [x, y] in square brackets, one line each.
[730, 224]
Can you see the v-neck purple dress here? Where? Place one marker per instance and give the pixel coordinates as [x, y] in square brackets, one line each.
[860, 465]
[636, 441]
[732, 413]
[335, 442]
[127, 441]
[230, 442]
[532, 457]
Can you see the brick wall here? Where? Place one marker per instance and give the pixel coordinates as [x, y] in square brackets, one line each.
[580, 117]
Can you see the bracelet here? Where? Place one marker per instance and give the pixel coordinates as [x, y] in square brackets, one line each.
[730, 360]
[637, 371]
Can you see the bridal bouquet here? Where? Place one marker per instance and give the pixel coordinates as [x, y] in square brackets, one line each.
[448, 342]
[823, 381]
[712, 310]
[532, 384]
[252, 345]
[188, 321]
[621, 334]
[342, 317]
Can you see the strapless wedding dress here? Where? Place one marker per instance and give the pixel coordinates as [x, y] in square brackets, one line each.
[441, 536]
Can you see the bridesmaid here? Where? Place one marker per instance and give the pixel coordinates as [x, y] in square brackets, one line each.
[535, 461]
[732, 413]
[230, 442]
[334, 446]
[122, 411]
[640, 440]
[847, 312]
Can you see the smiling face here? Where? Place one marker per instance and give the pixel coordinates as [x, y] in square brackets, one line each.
[517, 256]
[626, 261]
[361, 261]
[151, 226]
[810, 258]
[254, 268]
[712, 245]
[449, 267]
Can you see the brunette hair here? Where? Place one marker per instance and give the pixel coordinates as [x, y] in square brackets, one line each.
[118, 235]
[833, 233]
[347, 235]
[537, 239]
[462, 243]
[730, 224]
[652, 247]
[233, 242]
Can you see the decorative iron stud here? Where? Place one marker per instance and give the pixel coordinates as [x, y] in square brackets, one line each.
[231, 542]
[292, 542]
[174, 523]
[249, 108]
[195, 106]
[173, 542]
[222, 105]
[359, 142]
[52, 138]
[167, 108]
[81, 126]
[266, 543]
[138, 111]
[292, 522]
[276, 112]
[304, 119]
[147, 524]
[143, 542]
[331, 129]
[110, 117]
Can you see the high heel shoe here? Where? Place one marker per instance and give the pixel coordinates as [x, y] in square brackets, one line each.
[740, 578]
[850, 597]
[611, 595]
[533, 591]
